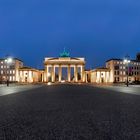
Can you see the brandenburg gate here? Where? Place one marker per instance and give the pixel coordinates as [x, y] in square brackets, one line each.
[64, 61]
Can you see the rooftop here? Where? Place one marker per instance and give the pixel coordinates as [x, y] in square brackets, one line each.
[28, 68]
[116, 59]
[12, 58]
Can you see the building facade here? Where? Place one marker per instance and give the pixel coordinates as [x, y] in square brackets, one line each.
[100, 75]
[116, 71]
[29, 75]
[119, 70]
[9, 68]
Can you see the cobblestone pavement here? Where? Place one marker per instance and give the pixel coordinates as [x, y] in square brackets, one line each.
[70, 112]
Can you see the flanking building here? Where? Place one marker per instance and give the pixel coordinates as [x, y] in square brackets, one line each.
[100, 75]
[30, 75]
[116, 71]
[9, 69]
[119, 70]
[13, 70]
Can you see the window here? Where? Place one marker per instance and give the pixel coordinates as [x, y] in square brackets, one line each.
[13, 71]
[1, 71]
[116, 67]
[10, 78]
[12, 67]
[13, 78]
[117, 79]
[124, 73]
[10, 72]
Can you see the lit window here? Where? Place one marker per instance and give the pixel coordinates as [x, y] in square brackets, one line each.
[1, 71]
[13, 71]
[10, 78]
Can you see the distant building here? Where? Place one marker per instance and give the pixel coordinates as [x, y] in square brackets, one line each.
[9, 69]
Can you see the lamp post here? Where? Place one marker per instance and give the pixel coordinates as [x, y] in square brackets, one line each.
[127, 61]
[8, 61]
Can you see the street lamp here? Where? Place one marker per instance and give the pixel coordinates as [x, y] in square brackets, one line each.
[8, 61]
[127, 61]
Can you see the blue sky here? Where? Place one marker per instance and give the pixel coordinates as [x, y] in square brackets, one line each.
[95, 29]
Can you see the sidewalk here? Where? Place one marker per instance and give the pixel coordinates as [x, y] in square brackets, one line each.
[15, 88]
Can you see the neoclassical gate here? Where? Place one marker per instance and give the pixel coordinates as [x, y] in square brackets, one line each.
[51, 64]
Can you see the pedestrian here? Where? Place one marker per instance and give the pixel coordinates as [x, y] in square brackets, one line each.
[7, 83]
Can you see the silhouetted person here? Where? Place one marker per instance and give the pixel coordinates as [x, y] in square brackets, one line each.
[7, 83]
